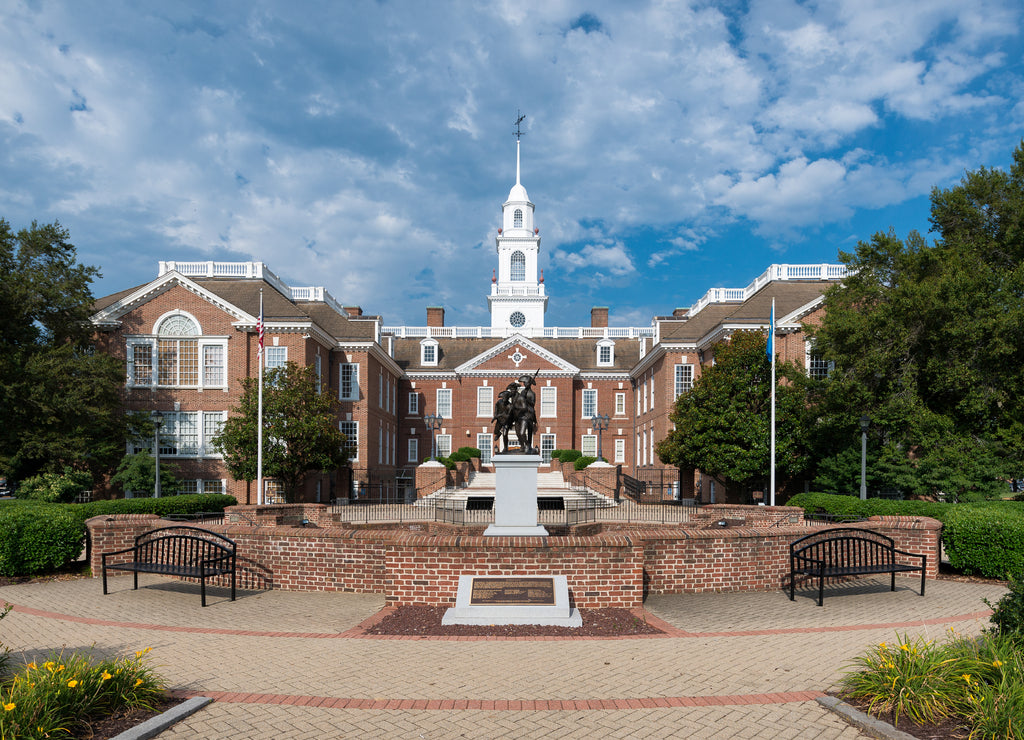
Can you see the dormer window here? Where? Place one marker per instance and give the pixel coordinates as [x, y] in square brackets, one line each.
[517, 269]
[517, 218]
[428, 352]
[605, 353]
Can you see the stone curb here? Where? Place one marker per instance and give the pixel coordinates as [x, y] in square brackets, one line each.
[873, 727]
[155, 725]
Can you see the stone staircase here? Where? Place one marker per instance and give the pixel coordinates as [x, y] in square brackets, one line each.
[549, 485]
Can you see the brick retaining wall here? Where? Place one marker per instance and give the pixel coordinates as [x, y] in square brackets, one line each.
[609, 565]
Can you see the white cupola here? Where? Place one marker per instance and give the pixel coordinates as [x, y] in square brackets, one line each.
[517, 298]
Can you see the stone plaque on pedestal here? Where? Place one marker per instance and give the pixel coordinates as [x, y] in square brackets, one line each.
[513, 600]
[515, 497]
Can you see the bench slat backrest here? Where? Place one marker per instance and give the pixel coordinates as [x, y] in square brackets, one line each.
[185, 545]
[845, 546]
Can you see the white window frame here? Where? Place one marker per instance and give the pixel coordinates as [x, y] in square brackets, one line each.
[682, 383]
[517, 266]
[443, 403]
[485, 401]
[352, 370]
[202, 427]
[319, 367]
[605, 346]
[414, 403]
[351, 439]
[588, 445]
[380, 389]
[429, 351]
[413, 450]
[815, 365]
[153, 343]
[485, 443]
[591, 404]
[281, 354]
[443, 444]
[547, 446]
[620, 403]
[620, 450]
[548, 402]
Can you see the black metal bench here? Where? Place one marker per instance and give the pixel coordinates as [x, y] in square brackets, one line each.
[846, 552]
[186, 552]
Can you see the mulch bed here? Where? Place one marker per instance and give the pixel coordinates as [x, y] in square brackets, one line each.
[425, 621]
[948, 729]
[121, 720]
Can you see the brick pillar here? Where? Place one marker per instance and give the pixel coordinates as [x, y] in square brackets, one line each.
[116, 532]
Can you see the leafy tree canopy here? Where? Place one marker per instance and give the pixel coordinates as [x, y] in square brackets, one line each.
[722, 424]
[59, 400]
[927, 340]
[300, 430]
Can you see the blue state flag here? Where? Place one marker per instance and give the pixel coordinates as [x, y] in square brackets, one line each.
[771, 333]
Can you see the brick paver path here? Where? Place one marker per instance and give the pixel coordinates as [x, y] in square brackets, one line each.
[295, 665]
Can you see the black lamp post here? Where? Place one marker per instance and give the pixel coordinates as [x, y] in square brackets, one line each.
[158, 421]
[865, 423]
[433, 422]
[600, 422]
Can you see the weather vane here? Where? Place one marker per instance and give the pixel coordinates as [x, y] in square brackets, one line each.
[519, 121]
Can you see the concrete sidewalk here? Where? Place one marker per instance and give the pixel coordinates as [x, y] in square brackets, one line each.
[295, 665]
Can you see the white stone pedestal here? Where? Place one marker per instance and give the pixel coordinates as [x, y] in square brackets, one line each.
[515, 497]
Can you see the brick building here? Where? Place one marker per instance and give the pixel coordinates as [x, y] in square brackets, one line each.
[188, 337]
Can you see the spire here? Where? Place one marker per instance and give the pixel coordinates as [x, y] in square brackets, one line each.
[520, 117]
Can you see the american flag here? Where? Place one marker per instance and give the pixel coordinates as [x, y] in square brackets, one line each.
[259, 330]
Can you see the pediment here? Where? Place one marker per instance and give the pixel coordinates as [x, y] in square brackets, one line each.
[169, 280]
[517, 354]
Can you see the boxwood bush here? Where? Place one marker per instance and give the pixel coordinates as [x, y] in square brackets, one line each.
[583, 461]
[470, 451]
[39, 537]
[568, 456]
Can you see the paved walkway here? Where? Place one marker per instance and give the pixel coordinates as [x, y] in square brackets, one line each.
[296, 665]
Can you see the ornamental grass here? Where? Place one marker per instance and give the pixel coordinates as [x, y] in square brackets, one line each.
[59, 697]
[979, 681]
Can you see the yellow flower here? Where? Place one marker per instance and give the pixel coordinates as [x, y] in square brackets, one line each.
[966, 677]
[138, 682]
[996, 663]
[905, 648]
[106, 676]
[31, 666]
[60, 668]
[72, 683]
[882, 645]
[9, 707]
[48, 665]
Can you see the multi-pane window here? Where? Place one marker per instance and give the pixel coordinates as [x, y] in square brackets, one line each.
[178, 361]
[351, 431]
[547, 446]
[414, 403]
[275, 357]
[213, 365]
[177, 356]
[605, 352]
[589, 403]
[684, 379]
[213, 423]
[485, 401]
[620, 450]
[517, 218]
[348, 386]
[518, 266]
[319, 369]
[213, 486]
[381, 394]
[444, 403]
[549, 401]
[428, 352]
[484, 442]
[645, 396]
[620, 404]
[588, 445]
[414, 450]
[817, 366]
[142, 362]
[444, 444]
[190, 433]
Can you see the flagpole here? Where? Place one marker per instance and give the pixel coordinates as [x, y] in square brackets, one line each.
[771, 352]
[259, 407]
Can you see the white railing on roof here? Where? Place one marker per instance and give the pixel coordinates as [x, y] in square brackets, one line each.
[823, 271]
[548, 332]
[517, 290]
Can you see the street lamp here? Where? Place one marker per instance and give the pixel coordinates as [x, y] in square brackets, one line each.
[600, 422]
[158, 421]
[433, 422]
[865, 422]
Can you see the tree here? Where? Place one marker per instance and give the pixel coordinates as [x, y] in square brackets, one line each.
[300, 430]
[927, 339]
[722, 424]
[137, 472]
[59, 399]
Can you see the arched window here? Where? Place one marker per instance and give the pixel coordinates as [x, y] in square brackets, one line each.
[178, 325]
[517, 218]
[518, 271]
[177, 356]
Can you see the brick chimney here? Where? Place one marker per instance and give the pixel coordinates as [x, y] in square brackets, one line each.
[353, 310]
[435, 316]
[599, 317]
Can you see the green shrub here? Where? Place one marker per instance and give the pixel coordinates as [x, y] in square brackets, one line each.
[1008, 612]
[38, 539]
[459, 456]
[568, 456]
[55, 487]
[985, 540]
[192, 503]
[470, 451]
[581, 462]
[446, 461]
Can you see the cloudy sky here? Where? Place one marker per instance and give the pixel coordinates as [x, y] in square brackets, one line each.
[670, 147]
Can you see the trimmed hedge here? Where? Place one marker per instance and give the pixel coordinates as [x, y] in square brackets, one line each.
[470, 451]
[568, 456]
[581, 462]
[39, 537]
[982, 538]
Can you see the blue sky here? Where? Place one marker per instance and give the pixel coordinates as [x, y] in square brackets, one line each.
[670, 147]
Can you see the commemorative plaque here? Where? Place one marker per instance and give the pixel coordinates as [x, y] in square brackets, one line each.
[512, 591]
